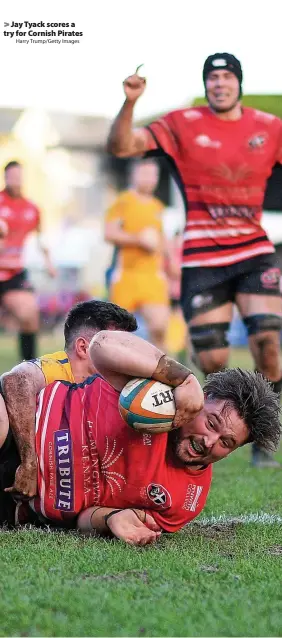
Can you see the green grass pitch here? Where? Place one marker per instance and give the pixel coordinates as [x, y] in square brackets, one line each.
[219, 577]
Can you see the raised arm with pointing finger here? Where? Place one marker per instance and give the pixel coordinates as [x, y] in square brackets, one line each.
[124, 140]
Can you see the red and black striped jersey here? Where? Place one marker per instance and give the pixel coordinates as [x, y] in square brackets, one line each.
[221, 167]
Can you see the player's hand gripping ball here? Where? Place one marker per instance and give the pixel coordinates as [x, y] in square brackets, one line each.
[147, 406]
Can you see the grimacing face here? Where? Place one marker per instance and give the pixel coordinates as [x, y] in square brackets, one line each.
[222, 90]
[211, 436]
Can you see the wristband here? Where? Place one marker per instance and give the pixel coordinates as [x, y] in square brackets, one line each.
[94, 512]
[144, 519]
[106, 518]
[170, 372]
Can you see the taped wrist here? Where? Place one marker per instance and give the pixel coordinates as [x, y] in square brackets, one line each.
[171, 372]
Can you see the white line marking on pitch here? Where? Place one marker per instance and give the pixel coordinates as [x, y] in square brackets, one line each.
[258, 517]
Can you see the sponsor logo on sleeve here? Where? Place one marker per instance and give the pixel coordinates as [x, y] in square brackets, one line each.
[159, 495]
[192, 497]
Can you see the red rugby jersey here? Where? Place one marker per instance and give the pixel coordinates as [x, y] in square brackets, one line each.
[221, 167]
[87, 455]
[22, 217]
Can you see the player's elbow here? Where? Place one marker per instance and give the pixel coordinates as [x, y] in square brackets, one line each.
[114, 148]
[12, 383]
[100, 348]
[19, 385]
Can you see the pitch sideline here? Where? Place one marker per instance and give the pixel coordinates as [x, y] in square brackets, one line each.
[223, 519]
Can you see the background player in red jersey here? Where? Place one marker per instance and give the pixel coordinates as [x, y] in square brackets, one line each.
[21, 217]
[91, 463]
[221, 156]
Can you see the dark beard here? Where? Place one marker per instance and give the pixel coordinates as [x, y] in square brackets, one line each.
[174, 442]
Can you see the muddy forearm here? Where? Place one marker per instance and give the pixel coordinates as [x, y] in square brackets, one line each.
[171, 372]
[20, 400]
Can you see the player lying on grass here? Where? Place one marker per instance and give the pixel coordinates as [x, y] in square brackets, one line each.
[96, 473]
[21, 385]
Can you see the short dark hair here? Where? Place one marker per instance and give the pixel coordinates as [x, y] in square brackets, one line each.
[96, 315]
[11, 164]
[253, 398]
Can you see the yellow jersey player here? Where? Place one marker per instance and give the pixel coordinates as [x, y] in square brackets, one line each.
[134, 226]
[21, 385]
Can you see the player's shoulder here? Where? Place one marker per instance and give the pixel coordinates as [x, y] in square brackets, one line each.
[189, 114]
[55, 366]
[267, 119]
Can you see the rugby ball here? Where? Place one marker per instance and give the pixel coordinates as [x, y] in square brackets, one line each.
[147, 405]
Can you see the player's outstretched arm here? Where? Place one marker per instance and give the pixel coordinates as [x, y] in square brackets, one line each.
[123, 139]
[20, 387]
[120, 356]
[132, 526]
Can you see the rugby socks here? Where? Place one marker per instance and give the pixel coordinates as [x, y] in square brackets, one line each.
[27, 345]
